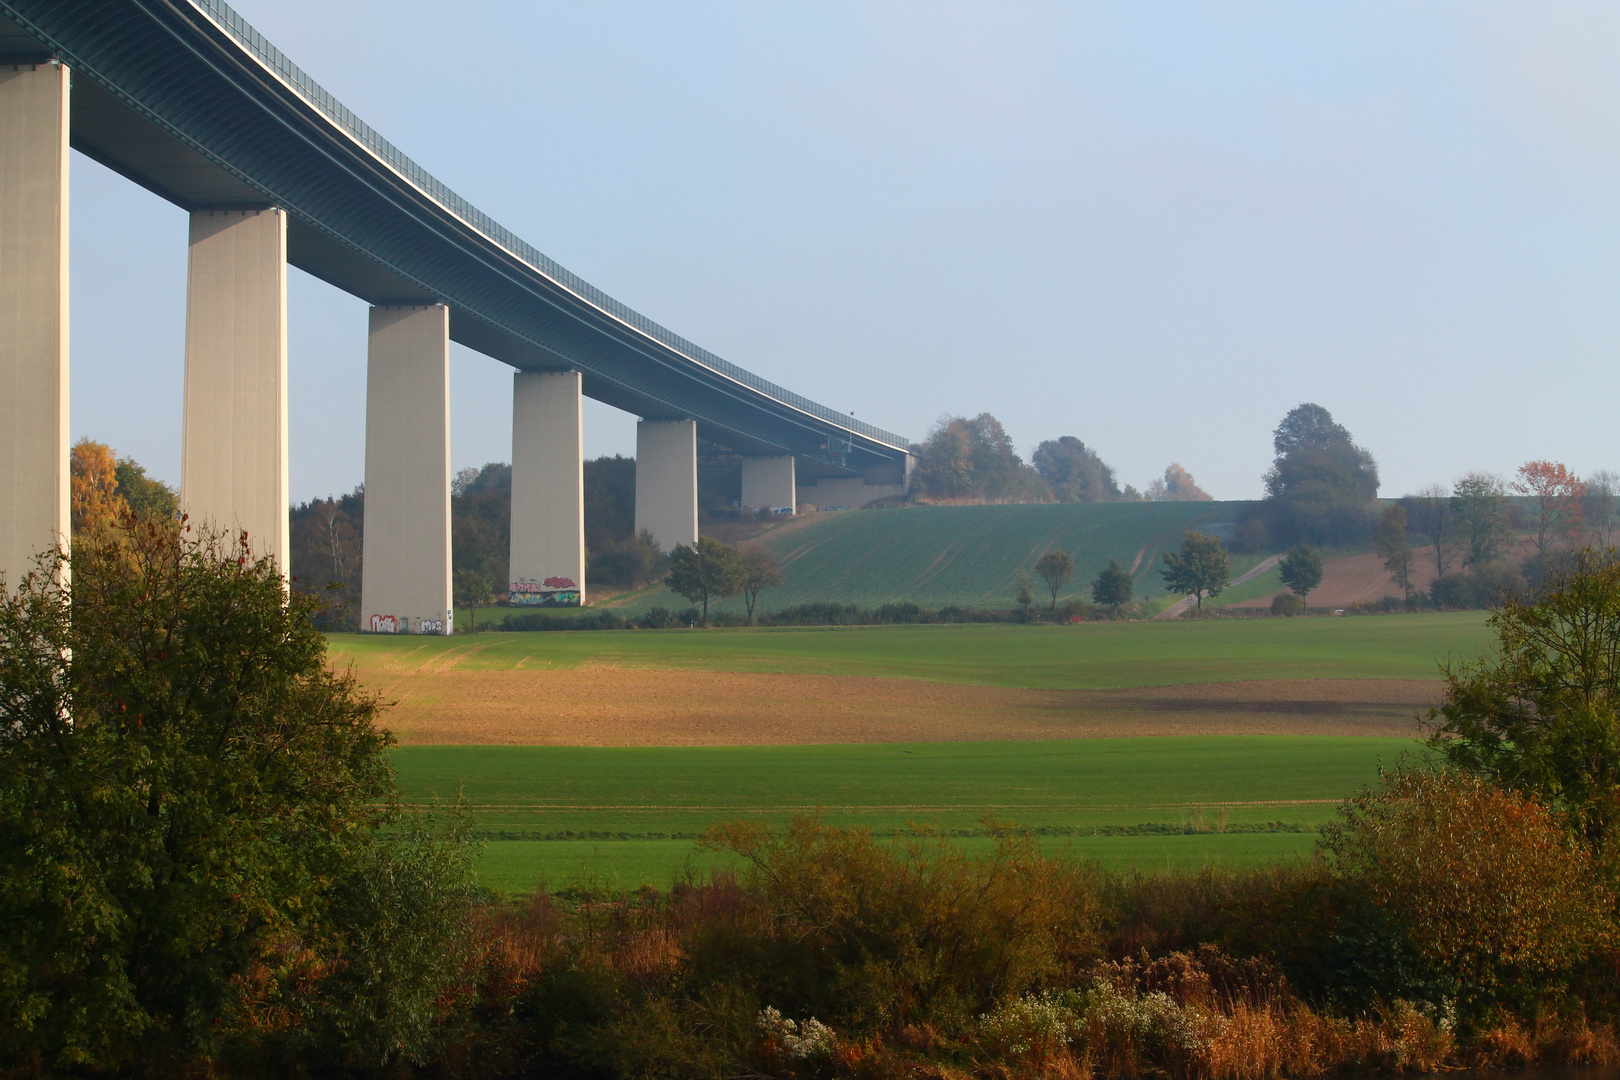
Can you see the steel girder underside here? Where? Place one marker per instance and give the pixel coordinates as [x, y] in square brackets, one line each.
[187, 100]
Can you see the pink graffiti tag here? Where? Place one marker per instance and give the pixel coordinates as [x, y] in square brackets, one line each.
[559, 583]
[384, 624]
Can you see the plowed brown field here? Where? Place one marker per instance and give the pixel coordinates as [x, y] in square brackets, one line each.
[628, 707]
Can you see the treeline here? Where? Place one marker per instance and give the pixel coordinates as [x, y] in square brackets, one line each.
[1467, 536]
[827, 613]
[327, 538]
[206, 872]
[972, 460]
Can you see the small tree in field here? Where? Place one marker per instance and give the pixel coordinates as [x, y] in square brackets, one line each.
[1301, 571]
[1392, 545]
[760, 572]
[1112, 589]
[1201, 569]
[1057, 570]
[708, 570]
[1021, 592]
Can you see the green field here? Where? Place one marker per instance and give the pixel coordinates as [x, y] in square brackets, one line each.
[965, 555]
[627, 816]
[1086, 656]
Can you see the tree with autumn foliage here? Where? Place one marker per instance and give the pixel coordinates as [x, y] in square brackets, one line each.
[1177, 485]
[1554, 495]
[96, 502]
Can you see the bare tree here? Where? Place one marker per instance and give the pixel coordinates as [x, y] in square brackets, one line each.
[1602, 506]
[1429, 512]
[1057, 570]
[760, 572]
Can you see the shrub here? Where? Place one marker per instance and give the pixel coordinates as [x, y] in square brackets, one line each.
[1287, 605]
[884, 935]
[1484, 885]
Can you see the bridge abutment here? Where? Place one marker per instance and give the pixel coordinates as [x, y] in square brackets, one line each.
[406, 583]
[547, 565]
[666, 481]
[234, 447]
[35, 491]
[768, 482]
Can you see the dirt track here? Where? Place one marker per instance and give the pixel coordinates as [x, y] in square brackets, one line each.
[621, 707]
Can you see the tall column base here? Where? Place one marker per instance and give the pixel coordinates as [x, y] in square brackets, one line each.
[547, 565]
[666, 481]
[768, 484]
[406, 580]
[35, 490]
[234, 450]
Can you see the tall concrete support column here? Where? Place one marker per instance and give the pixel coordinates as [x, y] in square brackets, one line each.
[666, 481]
[768, 482]
[548, 491]
[406, 587]
[233, 469]
[34, 488]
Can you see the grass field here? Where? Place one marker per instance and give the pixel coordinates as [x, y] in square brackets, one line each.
[622, 812]
[1086, 656]
[629, 815]
[964, 555]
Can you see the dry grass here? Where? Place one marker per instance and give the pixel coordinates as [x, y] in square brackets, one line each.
[626, 707]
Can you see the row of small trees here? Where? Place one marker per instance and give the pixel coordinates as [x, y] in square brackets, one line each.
[1111, 588]
[1200, 568]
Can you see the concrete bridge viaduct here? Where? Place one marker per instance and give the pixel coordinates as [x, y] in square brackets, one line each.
[186, 99]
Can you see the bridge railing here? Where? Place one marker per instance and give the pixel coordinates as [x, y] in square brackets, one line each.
[255, 43]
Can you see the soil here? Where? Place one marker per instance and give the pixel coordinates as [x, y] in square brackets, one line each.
[622, 707]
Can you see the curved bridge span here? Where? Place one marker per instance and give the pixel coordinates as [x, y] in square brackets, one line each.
[186, 99]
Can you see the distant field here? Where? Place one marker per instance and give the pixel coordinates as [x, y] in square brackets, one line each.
[628, 815]
[965, 555]
[628, 744]
[1086, 656]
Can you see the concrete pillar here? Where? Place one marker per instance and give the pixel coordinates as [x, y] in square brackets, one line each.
[233, 469]
[548, 491]
[666, 481]
[768, 482]
[406, 585]
[35, 494]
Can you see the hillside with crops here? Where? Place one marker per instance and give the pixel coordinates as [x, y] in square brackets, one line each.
[967, 556]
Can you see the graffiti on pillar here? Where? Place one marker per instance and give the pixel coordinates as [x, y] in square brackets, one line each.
[384, 624]
[549, 592]
[431, 626]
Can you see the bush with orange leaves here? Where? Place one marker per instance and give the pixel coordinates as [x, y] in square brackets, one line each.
[884, 935]
[1486, 885]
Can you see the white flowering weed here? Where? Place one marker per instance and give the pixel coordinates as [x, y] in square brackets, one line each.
[799, 1041]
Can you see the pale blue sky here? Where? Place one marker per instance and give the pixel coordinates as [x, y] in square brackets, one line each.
[1153, 226]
